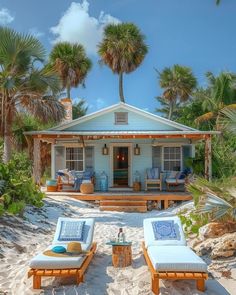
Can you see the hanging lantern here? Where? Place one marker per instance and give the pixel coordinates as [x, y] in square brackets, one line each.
[105, 150]
[137, 150]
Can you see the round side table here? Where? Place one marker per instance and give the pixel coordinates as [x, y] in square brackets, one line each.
[121, 254]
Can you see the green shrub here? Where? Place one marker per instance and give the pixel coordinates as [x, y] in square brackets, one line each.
[17, 188]
[192, 222]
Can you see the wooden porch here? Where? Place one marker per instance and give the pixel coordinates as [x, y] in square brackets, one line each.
[127, 201]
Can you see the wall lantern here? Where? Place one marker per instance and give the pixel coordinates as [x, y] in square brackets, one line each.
[137, 150]
[105, 150]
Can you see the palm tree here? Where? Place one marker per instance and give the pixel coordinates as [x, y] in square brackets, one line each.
[71, 63]
[122, 50]
[178, 83]
[228, 120]
[219, 95]
[79, 109]
[23, 87]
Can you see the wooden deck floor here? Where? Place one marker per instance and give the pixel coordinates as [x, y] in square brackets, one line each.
[126, 201]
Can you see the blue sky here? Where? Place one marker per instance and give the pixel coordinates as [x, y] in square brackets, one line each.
[194, 33]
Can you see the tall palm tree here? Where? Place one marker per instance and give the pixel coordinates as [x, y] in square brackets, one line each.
[122, 49]
[71, 63]
[219, 95]
[178, 83]
[23, 86]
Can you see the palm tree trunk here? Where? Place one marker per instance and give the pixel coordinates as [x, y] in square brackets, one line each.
[68, 90]
[122, 99]
[7, 143]
[171, 106]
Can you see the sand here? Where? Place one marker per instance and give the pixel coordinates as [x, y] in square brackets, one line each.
[21, 239]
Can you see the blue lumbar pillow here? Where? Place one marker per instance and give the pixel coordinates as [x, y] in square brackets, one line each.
[59, 249]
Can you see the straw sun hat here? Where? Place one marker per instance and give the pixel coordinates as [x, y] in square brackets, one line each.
[74, 247]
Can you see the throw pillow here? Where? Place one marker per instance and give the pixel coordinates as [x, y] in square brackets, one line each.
[71, 231]
[164, 230]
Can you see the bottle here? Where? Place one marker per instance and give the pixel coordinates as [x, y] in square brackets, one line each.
[120, 235]
[123, 237]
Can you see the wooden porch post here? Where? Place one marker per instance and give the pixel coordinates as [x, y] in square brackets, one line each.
[37, 161]
[208, 158]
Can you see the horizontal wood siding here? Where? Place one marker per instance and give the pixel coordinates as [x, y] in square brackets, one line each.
[107, 122]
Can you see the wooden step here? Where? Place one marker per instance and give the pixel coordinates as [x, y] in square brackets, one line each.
[124, 208]
[122, 203]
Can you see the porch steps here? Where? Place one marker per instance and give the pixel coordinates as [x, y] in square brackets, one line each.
[123, 205]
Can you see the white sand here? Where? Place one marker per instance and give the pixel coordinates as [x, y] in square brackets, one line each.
[21, 239]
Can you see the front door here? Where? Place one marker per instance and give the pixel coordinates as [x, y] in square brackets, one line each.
[120, 166]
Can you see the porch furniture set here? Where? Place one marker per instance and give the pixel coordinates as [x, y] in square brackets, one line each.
[164, 249]
[85, 181]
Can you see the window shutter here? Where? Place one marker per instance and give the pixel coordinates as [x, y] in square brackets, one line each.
[89, 158]
[59, 158]
[157, 157]
[121, 118]
[186, 153]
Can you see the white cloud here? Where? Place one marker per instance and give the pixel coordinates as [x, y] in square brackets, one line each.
[5, 17]
[76, 25]
[35, 32]
[98, 104]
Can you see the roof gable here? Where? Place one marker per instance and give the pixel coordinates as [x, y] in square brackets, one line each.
[137, 120]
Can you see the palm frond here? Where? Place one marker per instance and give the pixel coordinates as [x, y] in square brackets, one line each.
[205, 117]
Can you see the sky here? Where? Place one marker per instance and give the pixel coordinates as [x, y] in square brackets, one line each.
[194, 33]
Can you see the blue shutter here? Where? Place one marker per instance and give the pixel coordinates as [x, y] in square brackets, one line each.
[157, 157]
[186, 153]
[59, 158]
[89, 158]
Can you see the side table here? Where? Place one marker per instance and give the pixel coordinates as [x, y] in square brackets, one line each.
[121, 254]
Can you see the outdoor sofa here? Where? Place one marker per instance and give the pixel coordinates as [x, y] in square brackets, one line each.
[67, 231]
[167, 255]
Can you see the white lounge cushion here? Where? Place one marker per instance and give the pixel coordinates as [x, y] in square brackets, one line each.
[42, 261]
[171, 180]
[88, 231]
[175, 258]
[149, 236]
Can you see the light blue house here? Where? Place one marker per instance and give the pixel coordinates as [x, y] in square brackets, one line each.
[120, 140]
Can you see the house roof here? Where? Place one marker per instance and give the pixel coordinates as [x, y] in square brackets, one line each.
[64, 129]
[124, 106]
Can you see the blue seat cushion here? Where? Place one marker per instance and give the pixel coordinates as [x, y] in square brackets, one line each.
[164, 230]
[71, 231]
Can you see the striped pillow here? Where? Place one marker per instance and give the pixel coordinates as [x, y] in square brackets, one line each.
[71, 231]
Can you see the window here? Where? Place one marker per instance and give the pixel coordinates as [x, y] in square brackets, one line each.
[121, 118]
[172, 158]
[75, 158]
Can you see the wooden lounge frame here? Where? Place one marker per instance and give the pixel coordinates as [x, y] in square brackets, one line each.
[199, 277]
[78, 273]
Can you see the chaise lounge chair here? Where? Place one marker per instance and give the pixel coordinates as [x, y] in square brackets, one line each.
[167, 255]
[67, 230]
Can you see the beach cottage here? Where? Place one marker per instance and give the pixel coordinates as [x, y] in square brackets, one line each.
[120, 141]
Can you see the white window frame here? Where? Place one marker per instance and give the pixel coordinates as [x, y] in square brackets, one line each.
[116, 114]
[83, 160]
[163, 156]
